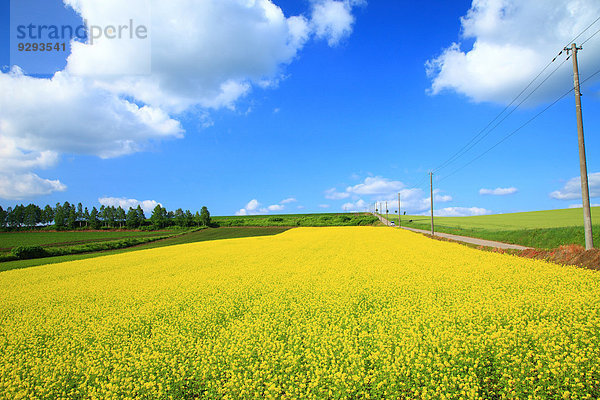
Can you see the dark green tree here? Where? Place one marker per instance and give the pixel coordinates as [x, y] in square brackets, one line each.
[132, 219]
[32, 215]
[86, 217]
[189, 218]
[48, 215]
[120, 216]
[72, 218]
[111, 216]
[140, 214]
[159, 217]
[205, 216]
[93, 220]
[179, 217]
[60, 217]
[80, 215]
[16, 216]
[102, 214]
[2, 218]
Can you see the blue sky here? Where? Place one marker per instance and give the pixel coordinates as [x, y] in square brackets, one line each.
[351, 111]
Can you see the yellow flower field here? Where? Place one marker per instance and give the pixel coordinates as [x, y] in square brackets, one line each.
[312, 313]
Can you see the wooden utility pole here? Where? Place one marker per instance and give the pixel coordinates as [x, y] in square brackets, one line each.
[399, 212]
[431, 184]
[585, 189]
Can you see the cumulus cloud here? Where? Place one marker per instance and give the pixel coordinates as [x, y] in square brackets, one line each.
[333, 194]
[106, 102]
[461, 212]
[572, 189]
[498, 191]
[375, 186]
[16, 180]
[254, 207]
[212, 65]
[19, 186]
[333, 20]
[126, 204]
[380, 189]
[324, 206]
[357, 206]
[66, 114]
[371, 186]
[512, 41]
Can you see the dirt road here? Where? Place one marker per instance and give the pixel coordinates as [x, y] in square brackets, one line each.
[464, 239]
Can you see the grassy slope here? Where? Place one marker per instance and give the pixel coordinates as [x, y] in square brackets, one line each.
[47, 239]
[528, 220]
[540, 229]
[200, 236]
[297, 220]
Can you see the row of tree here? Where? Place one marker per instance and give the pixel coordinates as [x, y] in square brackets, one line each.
[71, 216]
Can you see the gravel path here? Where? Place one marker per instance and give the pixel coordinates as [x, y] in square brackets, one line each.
[464, 239]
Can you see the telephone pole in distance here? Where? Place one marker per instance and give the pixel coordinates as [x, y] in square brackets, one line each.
[431, 184]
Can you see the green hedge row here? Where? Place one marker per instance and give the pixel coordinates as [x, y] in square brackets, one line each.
[31, 252]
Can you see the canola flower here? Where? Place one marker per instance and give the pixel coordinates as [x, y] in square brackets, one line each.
[314, 313]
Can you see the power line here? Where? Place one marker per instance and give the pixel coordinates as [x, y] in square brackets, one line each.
[588, 39]
[476, 141]
[583, 31]
[518, 129]
[462, 150]
[477, 138]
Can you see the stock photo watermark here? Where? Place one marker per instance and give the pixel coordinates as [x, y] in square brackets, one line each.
[44, 33]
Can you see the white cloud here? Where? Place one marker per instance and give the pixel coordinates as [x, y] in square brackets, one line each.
[358, 206]
[498, 191]
[126, 204]
[581, 205]
[380, 189]
[213, 63]
[69, 115]
[513, 41]
[375, 186]
[288, 201]
[17, 186]
[254, 207]
[572, 189]
[333, 20]
[325, 206]
[333, 194]
[460, 212]
[16, 182]
[204, 55]
[415, 200]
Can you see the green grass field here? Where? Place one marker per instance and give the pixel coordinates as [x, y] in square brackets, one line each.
[516, 221]
[298, 220]
[199, 236]
[9, 240]
[540, 229]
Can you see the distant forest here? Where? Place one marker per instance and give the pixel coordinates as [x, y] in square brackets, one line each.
[71, 216]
